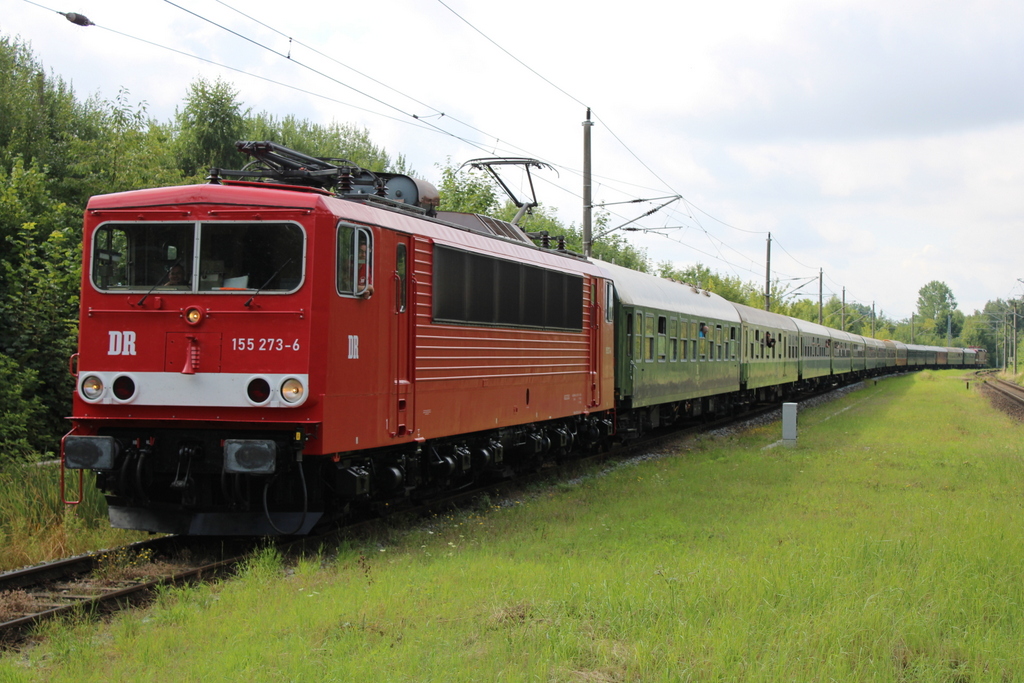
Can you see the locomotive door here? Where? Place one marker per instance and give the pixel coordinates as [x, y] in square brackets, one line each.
[401, 412]
[596, 341]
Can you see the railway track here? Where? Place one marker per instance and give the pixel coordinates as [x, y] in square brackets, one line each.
[1008, 395]
[110, 580]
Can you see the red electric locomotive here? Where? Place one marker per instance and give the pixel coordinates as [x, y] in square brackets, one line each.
[258, 356]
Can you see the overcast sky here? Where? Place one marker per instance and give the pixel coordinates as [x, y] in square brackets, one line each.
[879, 141]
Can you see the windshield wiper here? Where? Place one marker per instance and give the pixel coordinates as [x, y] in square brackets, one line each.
[166, 277]
[269, 280]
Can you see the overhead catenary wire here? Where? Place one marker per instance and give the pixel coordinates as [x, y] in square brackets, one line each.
[690, 213]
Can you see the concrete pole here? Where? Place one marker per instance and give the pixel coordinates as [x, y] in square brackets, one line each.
[587, 207]
[842, 325]
[821, 271]
[768, 275]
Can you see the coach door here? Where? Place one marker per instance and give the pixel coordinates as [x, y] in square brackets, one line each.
[401, 414]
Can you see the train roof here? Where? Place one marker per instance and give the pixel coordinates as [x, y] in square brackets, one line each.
[649, 291]
[756, 316]
[923, 347]
[807, 327]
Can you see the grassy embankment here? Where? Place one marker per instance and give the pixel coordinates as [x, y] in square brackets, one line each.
[886, 546]
[36, 526]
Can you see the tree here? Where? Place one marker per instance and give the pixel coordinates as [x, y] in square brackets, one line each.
[935, 306]
[39, 280]
[337, 141]
[127, 152]
[40, 119]
[466, 191]
[726, 286]
[22, 414]
[208, 126]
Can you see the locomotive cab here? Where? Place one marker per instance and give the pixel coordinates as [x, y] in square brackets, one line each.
[193, 389]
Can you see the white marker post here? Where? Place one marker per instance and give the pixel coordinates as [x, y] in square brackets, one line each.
[789, 424]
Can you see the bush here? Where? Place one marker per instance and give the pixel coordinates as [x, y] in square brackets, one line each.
[22, 414]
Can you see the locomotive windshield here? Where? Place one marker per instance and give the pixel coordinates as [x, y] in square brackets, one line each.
[189, 257]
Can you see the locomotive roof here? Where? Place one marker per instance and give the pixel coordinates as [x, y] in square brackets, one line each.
[648, 291]
[241, 198]
[248, 195]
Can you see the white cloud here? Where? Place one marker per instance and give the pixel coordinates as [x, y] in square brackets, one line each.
[856, 132]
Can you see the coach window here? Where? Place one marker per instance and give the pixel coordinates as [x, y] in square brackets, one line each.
[638, 337]
[629, 334]
[673, 333]
[355, 261]
[662, 337]
[649, 338]
[719, 340]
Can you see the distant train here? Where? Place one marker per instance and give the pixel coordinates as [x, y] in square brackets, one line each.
[258, 357]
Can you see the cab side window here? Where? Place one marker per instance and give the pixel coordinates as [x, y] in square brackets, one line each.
[401, 267]
[355, 260]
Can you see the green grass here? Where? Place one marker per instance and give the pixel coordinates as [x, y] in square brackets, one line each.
[885, 546]
[36, 526]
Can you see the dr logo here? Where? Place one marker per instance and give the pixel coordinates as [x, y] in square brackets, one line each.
[121, 343]
[353, 346]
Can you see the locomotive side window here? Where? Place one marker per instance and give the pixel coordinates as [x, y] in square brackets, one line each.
[609, 302]
[188, 257]
[400, 273]
[355, 260]
[478, 289]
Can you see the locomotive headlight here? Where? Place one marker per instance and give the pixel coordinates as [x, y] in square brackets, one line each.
[292, 390]
[92, 387]
[194, 315]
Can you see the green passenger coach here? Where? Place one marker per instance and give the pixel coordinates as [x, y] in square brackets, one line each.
[676, 346]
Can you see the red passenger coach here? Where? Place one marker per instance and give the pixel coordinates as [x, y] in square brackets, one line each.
[258, 357]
